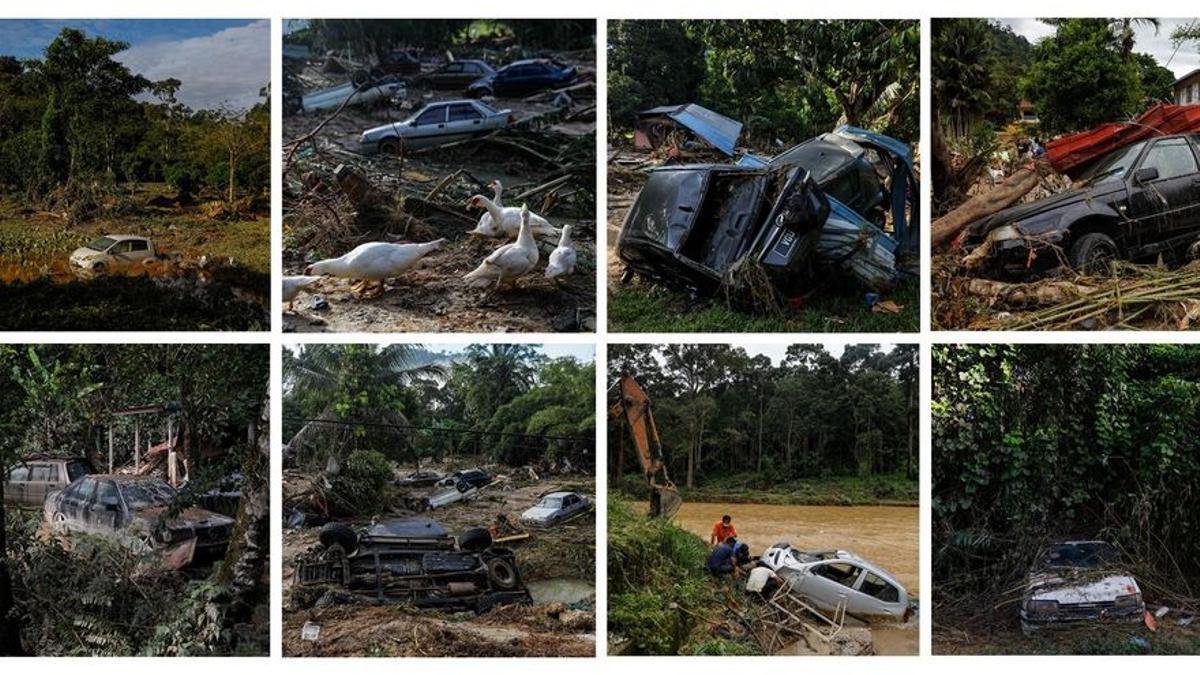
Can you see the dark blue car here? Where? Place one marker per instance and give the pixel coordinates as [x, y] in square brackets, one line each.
[524, 77]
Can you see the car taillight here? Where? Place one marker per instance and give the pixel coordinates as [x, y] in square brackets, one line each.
[1130, 600]
[1041, 606]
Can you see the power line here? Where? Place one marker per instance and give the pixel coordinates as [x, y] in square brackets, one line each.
[414, 427]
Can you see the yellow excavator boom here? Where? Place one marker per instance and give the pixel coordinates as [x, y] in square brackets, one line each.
[633, 406]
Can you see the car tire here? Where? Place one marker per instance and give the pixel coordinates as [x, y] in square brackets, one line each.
[360, 78]
[1093, 253]
[60, 523]
[389, 146]
[339, 534]
[502, 573]
[475, 540]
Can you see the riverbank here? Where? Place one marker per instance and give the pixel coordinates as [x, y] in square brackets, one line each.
[753, 488]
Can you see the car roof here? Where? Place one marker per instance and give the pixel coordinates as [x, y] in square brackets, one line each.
[125, 478]
[123, 237]
[558, 494]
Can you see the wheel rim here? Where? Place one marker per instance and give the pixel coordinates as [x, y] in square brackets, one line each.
[1101, 259]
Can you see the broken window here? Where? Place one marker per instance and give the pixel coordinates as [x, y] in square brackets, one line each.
[842, 573]
[876, 587]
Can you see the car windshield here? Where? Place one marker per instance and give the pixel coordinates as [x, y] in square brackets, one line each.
[1117, 163]
[146, 494]
[551, 503]
[101, 244]
[1085, 555]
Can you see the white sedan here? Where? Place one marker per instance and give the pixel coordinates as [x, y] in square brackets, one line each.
[831, 579]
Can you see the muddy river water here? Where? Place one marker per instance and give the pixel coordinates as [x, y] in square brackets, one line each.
[886, 535]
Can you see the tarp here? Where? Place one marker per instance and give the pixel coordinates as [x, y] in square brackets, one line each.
[714, 128]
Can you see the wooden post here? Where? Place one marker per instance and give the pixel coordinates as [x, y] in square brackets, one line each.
[170, 456]
[137, 447]
[110, 448]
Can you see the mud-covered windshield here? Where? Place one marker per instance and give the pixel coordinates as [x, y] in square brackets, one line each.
[101, 244]
[1087, 555]
[551, 503]
[146, 494]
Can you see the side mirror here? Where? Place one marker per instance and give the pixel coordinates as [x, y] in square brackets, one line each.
[1145, 174]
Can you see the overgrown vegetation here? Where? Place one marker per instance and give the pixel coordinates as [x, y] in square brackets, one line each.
[91, 596]
[1041, 442]
[737, 421]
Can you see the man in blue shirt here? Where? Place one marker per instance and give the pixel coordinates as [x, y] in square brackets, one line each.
[722, 559]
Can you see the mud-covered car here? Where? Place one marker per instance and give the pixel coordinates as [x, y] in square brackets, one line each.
[135, 511]
[113, 252]
[414, 561]
[1137, 203]
[455, 74]
[524, 77]
[32, 478]
[835, 580]
[435, 124]
[473, 477]
[821, 204]
[555, 508]
[1075, 581]
[420, 479]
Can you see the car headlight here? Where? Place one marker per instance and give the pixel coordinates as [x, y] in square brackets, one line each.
[1129, 600]
[1005, 233]
[1041, 606]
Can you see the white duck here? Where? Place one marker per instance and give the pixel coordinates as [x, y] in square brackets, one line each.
[485, 218]
[374, 262]
[292, 287]
[505, 221]
[562, 259]
[510, 260]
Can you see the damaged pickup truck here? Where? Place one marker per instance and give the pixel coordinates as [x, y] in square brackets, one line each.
[415, 561]
[1076, 581]
[822, 205]
[1137, 203]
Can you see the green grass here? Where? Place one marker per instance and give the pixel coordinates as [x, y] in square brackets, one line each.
[752, 488]
[650, 308]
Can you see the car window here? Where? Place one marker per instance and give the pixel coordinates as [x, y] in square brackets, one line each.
[83, 491]
[41, 473]
[843, 573]
[1173, 158]
[876, 587]
[464, 111]
[472, 68]
[551, 503]
[139, 245]
[101, 244]
[76, 470]
[1117, 163]
[453, 68]
[18, 474]
[143, 494]
[121, 247]
[106, 494]
[432, 116]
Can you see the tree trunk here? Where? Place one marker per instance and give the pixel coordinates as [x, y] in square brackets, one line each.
[245, 563]
[232, 168]
[10, 631]
[760, 422]
[980, 206]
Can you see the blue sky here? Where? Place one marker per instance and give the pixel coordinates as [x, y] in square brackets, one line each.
[222, 63]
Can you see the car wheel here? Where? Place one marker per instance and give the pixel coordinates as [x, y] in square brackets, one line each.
[360, 78]
[60, 523]
[1093, 253]
[340, 534]
[390, 146]
[474, 540]
[502, 573]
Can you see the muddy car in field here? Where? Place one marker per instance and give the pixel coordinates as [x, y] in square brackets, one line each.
[1139, 202]
[833, 580]
[112, 253]
[32, 478]
[554, 508]
[415, 561]
[435, 124]
[1076, 581]
[135, 512]
[822, 202]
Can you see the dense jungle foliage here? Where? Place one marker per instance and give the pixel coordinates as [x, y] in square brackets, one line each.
[1039, 442]
[786, 81]
[505, 403]
[90, 596]
[721, 413]
[77, 124]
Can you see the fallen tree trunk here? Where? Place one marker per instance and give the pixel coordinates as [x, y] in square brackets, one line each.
[1038, 293]
[993, 201]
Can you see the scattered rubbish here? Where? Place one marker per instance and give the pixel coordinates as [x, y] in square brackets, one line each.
[310, 631]
[1139, 642]
[1161, 612]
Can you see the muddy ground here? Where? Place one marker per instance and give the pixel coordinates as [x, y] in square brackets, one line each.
[557, 565]
[989, 630]
[433, 298]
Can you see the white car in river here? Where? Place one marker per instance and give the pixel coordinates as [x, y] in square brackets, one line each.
[830, 579]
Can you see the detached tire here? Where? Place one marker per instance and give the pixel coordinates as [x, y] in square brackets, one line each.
[475, 540]
[360, 78]
[1093, 253]
[340, 534]
[502, 573]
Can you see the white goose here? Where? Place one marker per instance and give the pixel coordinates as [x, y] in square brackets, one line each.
[505, 221]
[292, 287]
[510, 260]
[562, 259]
[485, 218]
[374, 262]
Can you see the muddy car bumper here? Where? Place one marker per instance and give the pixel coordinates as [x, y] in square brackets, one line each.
[1071, 615]
[1016, 257]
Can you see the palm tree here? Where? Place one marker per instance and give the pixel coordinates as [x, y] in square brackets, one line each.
[353, 382]
[1123, 32]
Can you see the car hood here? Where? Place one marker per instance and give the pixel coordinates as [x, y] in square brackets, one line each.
[193, 517]
[1020, 212]
[374, 133]
[539, 513]
[83, 253]
[1074, 587]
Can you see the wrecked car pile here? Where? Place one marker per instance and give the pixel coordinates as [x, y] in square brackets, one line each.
[841, 204]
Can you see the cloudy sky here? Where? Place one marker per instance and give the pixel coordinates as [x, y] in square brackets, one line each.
[221, 63]
[1181, 61]
[584, 353]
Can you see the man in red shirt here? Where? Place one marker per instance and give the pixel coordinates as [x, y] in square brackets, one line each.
[722, 530]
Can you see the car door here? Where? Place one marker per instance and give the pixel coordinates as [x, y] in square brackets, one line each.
[429, 125]
[139, 250]
[449, 76]
[15, 485]
[830, 584]
[470, 72]
[876, 596]
[465, 120]
[1165, 192]
[103, 514]
[41, 476]
[119, 255]
[75, 502]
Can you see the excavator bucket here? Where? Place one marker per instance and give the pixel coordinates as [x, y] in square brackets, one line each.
[664, 502]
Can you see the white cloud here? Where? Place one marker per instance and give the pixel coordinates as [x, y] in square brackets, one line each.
[223, 70]
[1181, 61]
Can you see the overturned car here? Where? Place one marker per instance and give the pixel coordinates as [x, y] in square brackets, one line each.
[1136, 203]
[823, 204]
[1074, 581]
[415, 561]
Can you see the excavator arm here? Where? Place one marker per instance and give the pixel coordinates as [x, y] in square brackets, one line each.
[633, 406]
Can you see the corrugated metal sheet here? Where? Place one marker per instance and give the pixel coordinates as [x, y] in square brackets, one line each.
[714, 128]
